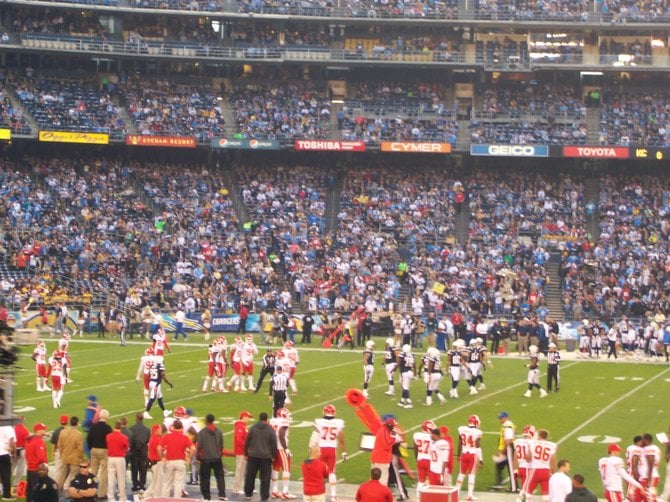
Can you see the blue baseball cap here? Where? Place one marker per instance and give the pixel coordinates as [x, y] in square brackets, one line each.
[502, 414]
[92, 397]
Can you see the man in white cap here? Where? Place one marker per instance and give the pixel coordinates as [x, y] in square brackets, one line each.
[553, 360]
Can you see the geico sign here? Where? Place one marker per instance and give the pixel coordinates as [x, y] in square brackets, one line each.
[512, 150]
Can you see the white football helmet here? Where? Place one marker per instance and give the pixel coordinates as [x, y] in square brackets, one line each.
[370, 344]
[406, 349]
[390, 342]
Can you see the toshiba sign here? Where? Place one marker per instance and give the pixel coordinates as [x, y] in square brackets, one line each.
[510, 150]
[412, 147]
[330, 146]
[596, 152]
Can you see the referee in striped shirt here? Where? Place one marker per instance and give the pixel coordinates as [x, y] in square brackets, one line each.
[553, 375]
[279, 384]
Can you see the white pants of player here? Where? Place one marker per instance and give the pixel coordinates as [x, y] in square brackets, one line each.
[116, 475]
[368, 371]
[434, 380]
[155, 390]
[390, 369]
[455, 372]
[175, 474]
[240, 469]
[406, 379]
[475, 369]
[534, 376]
[157, 478]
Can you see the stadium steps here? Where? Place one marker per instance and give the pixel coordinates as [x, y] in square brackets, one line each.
[462, 224]
[593, 125]
[16, 103]
[333, 202]
[463, 137]
[553, 297]
[241, 210]
[592, 194]
[335, 108]
[228, 116]
[127, 120]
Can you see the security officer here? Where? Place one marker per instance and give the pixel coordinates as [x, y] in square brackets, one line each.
[84, 486]
[44, 489]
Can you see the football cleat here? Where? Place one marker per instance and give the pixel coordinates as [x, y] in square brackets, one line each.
[166, 413]
[146, 415]
[527, 394]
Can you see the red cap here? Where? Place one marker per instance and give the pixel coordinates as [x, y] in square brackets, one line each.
[64, 419]
[245, 414]
[156, 428]
[39, 427]
[613, 447]
[444, 430]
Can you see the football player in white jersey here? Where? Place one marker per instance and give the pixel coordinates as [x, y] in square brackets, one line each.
[249, 350]
[439, 451]
[368, 365]
[613, 472]
[328, 436]
[522, 449]
[56, 372]
[422, 441]
[160, 342]
[236, 382]
[214, 368]
[634, 454]
[542, 464]
[282, 463]
[291, 364]
[143, 371]
[470, 453]
[63, 347]
[41, 370]
[649, 465]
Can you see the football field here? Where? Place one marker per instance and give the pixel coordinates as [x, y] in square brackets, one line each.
[599, 402]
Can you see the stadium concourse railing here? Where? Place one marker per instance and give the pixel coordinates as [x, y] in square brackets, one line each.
[190, 50]
[412, 11]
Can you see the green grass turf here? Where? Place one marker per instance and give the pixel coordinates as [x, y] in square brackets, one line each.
[598, 401]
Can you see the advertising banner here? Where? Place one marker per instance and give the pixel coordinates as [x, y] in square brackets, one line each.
[510, 150]
[414, 147]
[245, 144]
[90, 138]
[596, 152]
[5, 134]
[329, 146]
[170, 141]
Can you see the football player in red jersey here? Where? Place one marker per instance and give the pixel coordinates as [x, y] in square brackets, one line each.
[469, 453]
[56, 372]
[522, 447]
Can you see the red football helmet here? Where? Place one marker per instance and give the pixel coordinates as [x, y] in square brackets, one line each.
[288, 344]
[250, 338]
[40, 343]
[529, 431]
[179, 412]
[428, 426]
[473, 421]
[238, 340]
[283, 413]
[329, 410]
[66, 336]
[149, 351]
[280, 355]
